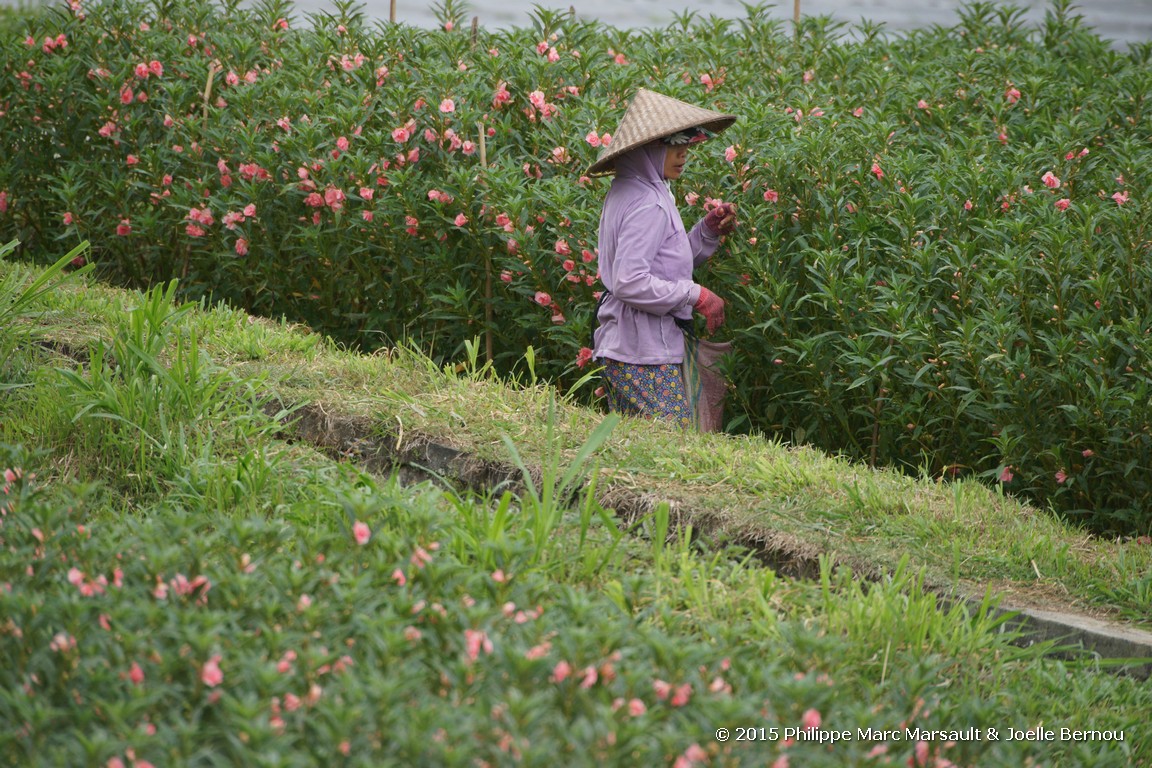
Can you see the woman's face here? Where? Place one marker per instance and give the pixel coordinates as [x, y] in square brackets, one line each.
[674, 158]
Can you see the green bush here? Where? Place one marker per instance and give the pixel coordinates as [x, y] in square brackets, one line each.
[906, 287]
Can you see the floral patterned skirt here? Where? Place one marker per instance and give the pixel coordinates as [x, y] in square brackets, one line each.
[656, 391]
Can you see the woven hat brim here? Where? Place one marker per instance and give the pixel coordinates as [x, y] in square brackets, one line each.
[653, 116]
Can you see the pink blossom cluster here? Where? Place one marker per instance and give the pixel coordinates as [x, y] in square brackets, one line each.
[537, 101]
[144, 70]
[50, 44]
[597, 141]
[198, 219]
[90, 587]
[182, 586]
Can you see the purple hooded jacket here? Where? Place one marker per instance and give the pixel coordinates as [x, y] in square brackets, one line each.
[646, 261]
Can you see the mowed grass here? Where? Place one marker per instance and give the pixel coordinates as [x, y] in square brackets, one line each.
[802, 501]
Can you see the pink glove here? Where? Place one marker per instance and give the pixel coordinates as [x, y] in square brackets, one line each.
[721, 220]
[712, 307]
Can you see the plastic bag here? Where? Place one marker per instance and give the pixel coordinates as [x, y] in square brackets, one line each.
[705, 386]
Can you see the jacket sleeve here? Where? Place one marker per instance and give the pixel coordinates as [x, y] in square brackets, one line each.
[702, 242]
[641, 233]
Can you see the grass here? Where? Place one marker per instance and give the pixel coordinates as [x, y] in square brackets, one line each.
[962, 534]
[480, 614]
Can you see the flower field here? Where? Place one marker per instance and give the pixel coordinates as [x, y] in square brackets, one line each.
[181, 586]
[943, 259]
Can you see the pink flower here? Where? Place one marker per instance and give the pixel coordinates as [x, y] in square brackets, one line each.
[502, 96]
[967, 205]
[662, 689]
[542, 298]
[334, 198]
[730, 154]
[1061, 477]
[475, 642]
[1006, 474]
[1012, 94]
[681, 695]
[124, 228]
[706, 81]
[468, 148]
[420, 557]
[858, 112]
[536, 99]
[136, 674]
[771, 195]
[562, 248]
[361, 532]
[448, 105]
[921, 753]
[250, 209]
[636, 707]
[156, 68]
[210, 673]
[1121, 197]
[876, 169]
[810, 720]
[241, 247]
[538, 651]
[1050, 180]
[592, 138]
[1002, 137]
[560, 672]
[1062, 204]
[583, 357]
[399, 577]
[461, 220]
[342, 143]
[141, 71]
[695, 754]
[606, 139]
[921, 104]
[401, 134]
[68, 217]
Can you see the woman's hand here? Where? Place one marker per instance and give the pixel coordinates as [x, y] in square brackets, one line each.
[721, 220]
[712, 307]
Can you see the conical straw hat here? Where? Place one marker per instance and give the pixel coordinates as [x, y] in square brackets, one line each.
[653, 116]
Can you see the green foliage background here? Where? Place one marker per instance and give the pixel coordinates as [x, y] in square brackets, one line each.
[874, 312]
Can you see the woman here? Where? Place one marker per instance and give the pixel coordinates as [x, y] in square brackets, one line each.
[647, 256]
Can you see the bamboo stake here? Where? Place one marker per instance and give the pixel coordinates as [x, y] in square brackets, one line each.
[795, 17]
[213, 69]
[475, 29]
[392, 12]
[487, 258]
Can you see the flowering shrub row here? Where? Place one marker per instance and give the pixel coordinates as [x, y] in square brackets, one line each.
[369, 635]
[943, 257]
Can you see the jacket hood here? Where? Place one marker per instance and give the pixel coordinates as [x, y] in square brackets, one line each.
[645, 163]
